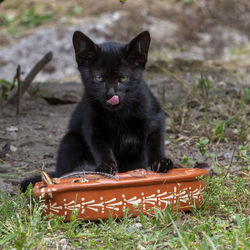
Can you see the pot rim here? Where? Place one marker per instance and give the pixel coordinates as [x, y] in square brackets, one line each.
[126, 180]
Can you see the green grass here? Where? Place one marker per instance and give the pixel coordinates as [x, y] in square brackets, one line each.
[221, 222]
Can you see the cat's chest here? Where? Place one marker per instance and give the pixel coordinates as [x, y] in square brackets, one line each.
[127, 135]
[126, 127]
[117, 129]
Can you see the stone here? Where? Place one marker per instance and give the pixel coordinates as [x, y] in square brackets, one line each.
[60, 93]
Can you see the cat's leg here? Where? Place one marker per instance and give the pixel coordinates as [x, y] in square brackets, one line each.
[103, 155]
[73, 154]
[155, 146]
[107, 167]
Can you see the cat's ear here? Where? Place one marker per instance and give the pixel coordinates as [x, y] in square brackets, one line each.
[85, 48]
[137, 49]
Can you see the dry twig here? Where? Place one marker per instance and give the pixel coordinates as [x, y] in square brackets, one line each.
[19, 88]
[32, 74]
[231, 162]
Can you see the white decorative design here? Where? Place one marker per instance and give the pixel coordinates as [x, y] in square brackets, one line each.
[86, 203]
[161, 198]
[159, 195]
[183, 196]
[92, 207]
[107, 202]
[165, 200]
[55, 208]
[133, 201]
[150, 199]
[113, 206]
[195, 193]
[72, 205]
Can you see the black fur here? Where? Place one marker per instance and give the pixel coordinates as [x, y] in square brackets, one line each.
[113, 138]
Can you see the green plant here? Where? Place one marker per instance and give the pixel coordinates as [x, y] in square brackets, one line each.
[205, 84]
[5, 21]
[34, 89]
[30, 18]
[243, 132]
[219, 130]
[202, 144]
[245, 97]
[187, 161]
[77, 10]
[243, 152]
[26, 19]
[5, 87]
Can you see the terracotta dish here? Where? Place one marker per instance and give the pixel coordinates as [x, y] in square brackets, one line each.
[95, 196]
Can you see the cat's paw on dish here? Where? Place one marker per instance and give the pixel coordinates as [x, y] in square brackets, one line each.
[162, 165]
[107, 167]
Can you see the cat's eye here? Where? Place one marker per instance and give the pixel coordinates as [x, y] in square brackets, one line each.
[99, 78]
[123, 78]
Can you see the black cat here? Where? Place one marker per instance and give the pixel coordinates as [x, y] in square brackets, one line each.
[118, 125]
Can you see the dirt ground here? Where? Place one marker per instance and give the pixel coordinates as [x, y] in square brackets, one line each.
[191, 43]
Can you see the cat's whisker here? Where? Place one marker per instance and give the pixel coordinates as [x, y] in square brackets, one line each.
[90, 99]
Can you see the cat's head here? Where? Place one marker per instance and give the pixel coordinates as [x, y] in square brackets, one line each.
[111, 72]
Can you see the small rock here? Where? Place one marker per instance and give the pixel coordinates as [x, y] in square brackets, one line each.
[138, 225]
[5, 150]
[236, 92]
[61, 93]
[228, 156]
[222, 84]
[12, 129]
[13, 148]
[5, 168]
[63, 243]
[167, 142]
[221, 158]
[141, 247]
[48, 155]
[193, 104]
[5, 187]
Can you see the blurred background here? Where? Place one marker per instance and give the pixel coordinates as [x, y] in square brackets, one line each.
[199, 68]
[200, 30]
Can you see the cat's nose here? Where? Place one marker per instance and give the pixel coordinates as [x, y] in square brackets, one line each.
[111, 93]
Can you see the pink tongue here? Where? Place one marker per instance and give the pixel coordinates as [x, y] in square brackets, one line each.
[113, 100]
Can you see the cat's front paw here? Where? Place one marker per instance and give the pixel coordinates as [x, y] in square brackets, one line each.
[107, 167]
[162, 165]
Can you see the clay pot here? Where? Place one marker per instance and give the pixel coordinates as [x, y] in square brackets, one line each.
[95, 197]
